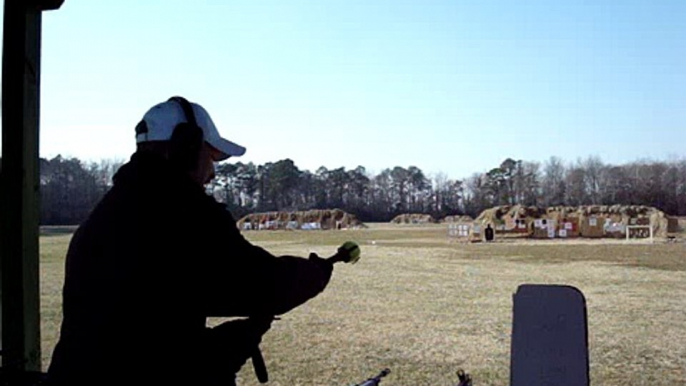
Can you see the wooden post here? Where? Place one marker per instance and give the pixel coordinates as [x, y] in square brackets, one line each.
[19, 183]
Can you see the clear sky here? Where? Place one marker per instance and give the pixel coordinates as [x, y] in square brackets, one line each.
[448, 86]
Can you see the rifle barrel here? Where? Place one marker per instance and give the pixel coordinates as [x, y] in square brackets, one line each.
[374, 381]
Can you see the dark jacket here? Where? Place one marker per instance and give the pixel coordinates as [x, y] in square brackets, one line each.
[153, 260]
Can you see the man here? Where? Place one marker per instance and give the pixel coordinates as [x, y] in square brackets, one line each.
[157, 256]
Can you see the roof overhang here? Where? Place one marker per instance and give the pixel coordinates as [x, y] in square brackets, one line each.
[44, 5]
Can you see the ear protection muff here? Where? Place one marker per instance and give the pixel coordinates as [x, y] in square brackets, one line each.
[187, 139]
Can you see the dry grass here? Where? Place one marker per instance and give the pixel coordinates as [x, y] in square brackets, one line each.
[424, 307]
[53, 249]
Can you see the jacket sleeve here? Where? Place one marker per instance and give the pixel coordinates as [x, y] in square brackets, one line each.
[246, 280]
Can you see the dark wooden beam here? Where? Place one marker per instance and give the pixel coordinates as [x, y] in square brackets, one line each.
[19, 183]
[44, 5]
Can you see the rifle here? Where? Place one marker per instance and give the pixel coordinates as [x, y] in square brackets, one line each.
[374, 381]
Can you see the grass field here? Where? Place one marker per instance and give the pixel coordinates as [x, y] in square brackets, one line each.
[425, 307]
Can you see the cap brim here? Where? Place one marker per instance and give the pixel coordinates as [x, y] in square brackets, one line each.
[226, 148]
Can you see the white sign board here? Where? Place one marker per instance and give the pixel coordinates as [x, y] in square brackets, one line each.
[458, 230]
[452, 230]
[615, 227]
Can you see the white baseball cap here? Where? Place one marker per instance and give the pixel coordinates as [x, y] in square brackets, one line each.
[159, 123]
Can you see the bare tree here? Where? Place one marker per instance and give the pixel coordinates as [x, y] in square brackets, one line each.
[593, 171]
[529, 183]
[554, 186]
[575, 186]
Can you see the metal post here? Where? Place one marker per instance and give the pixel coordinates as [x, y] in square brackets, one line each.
[19, 182]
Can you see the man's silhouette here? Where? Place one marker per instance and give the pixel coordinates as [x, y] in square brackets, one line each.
[488, 233]
[157, 256]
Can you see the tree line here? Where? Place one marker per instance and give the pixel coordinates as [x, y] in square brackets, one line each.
[70, 188]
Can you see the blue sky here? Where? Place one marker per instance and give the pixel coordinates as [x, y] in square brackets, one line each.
[448, 86]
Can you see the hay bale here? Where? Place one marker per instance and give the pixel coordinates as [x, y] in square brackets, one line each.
[497, 217]
[544, 228]
[673, 224]
[591, 224]
[565, 220]
[660, 224]
[519, 219]
[493, 215]
[570, 224]
[413, 218]
[566, 225]
[615, 225]
[458, 219]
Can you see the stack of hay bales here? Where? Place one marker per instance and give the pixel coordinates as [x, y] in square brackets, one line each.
[544, 228]
[311, 219]
[458, 219]
[413, 218]
[499, 218]
[591, 221]
[517, 219]
[493, 216]
[611, 221]
[660, 223]
[615, 219]
[599, 221]
[564, 221]
[520, 219]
